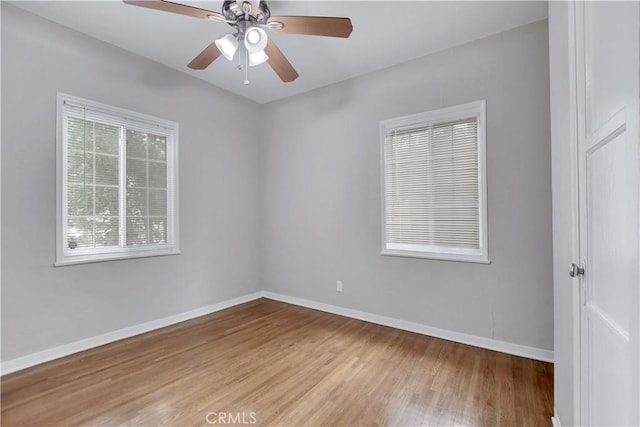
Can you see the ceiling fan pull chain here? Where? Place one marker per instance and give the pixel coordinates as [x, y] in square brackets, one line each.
[246, 66]
[251, 18]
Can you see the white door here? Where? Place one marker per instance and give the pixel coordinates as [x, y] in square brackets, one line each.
[607, 76]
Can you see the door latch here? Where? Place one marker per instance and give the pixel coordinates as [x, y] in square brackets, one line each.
[574, 270]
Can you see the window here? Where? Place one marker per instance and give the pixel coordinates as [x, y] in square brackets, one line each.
[116, 180]
[434, 196]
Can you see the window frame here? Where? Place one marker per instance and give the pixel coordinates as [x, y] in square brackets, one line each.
[458, 112]
[132, 120]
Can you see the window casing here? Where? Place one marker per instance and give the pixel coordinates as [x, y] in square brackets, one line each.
[116, 183]
[434, 188]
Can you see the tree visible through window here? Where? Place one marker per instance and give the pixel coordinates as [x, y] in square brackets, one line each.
[146, 188]
[118, 183]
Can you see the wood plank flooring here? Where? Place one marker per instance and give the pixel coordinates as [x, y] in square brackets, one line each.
[270, 363]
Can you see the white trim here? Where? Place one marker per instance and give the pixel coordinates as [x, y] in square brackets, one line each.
[432, 255]
[48, 355]
[99, 107]
[60, 179]
[472, 109]
[474, 340]
[133, 120]
[85, 344]
[124, 254]
[555, 420]
[575, 209]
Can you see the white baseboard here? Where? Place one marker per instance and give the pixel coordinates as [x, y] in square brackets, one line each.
[75, 347]
[555, 421]
[88, 343]
[474, 340]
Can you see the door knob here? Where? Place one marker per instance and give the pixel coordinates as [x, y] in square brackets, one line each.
[574, 270]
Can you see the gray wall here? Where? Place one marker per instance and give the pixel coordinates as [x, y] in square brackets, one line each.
[565, 290]
[43, 306]
[291, 212]
[321, 194]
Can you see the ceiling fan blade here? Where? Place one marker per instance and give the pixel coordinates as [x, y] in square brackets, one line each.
[180, 9]
[279, 63]
[314, 25]
[205, 58]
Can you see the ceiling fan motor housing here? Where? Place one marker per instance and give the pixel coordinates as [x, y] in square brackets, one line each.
[250, 19]
[233, 11]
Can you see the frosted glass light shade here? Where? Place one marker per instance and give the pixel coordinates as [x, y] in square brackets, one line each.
[255, 40]
[228, 46]
[257, 58]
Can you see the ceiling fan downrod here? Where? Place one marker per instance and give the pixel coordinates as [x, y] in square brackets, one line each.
[250, 19]
[234, 11]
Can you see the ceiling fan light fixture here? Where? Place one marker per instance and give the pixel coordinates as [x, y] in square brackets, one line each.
[228, 46]
[250, 18]
[257, 58]
[255, 40]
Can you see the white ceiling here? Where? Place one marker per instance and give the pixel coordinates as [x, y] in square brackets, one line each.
[385, 33]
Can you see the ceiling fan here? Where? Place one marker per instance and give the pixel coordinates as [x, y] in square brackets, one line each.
[250, 18]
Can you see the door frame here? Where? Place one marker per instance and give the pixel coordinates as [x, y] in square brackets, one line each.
[577, 284]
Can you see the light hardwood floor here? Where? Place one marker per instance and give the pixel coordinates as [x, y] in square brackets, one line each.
[278, 364]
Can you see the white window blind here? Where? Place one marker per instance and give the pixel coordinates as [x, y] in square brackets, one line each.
[92, 191]
[116, 183]
[146, 196]
[433, 185]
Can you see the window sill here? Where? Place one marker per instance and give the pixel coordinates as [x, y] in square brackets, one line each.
[434, 256]
[86, 259]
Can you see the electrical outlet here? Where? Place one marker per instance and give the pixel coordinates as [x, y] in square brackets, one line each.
[339, 286]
